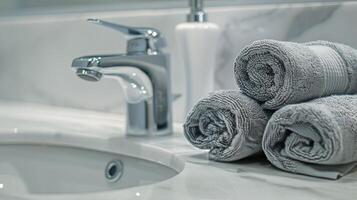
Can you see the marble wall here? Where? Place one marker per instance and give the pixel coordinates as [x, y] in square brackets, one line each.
[36, 51]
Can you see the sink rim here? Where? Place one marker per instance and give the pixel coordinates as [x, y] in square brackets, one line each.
[117, 145]
[64, 126]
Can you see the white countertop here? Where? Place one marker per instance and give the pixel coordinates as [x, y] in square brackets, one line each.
[252, 178]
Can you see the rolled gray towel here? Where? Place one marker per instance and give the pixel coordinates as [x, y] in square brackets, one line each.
[228, 123]
[317, 138]
[280, 73]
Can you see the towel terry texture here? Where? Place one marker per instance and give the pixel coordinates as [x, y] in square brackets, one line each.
[228, 123]
[317, 138]
[280, 73]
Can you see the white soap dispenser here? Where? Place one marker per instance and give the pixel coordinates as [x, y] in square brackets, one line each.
[197, 43]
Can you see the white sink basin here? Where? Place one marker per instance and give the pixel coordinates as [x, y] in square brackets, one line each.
[63, 154]
[45, 169]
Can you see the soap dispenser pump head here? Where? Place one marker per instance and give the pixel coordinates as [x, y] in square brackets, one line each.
[196, 14]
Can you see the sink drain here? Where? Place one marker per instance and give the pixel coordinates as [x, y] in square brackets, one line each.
[114, 170]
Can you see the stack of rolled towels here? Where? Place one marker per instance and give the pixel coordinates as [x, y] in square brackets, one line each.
[295, 103]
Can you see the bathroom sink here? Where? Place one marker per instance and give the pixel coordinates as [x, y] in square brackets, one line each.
[44, 169]
[59, 153]
[49, 153]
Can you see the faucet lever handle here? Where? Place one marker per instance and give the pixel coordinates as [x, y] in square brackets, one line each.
[146, 40]
[132, 31]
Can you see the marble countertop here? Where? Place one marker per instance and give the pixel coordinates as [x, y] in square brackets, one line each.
[252, 178]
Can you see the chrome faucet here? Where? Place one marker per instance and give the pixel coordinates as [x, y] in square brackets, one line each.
[144, 75]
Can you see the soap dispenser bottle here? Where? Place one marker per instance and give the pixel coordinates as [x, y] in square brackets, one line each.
[197, 43]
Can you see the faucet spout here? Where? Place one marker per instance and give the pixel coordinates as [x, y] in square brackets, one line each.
[146, 85]
[136, 84]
